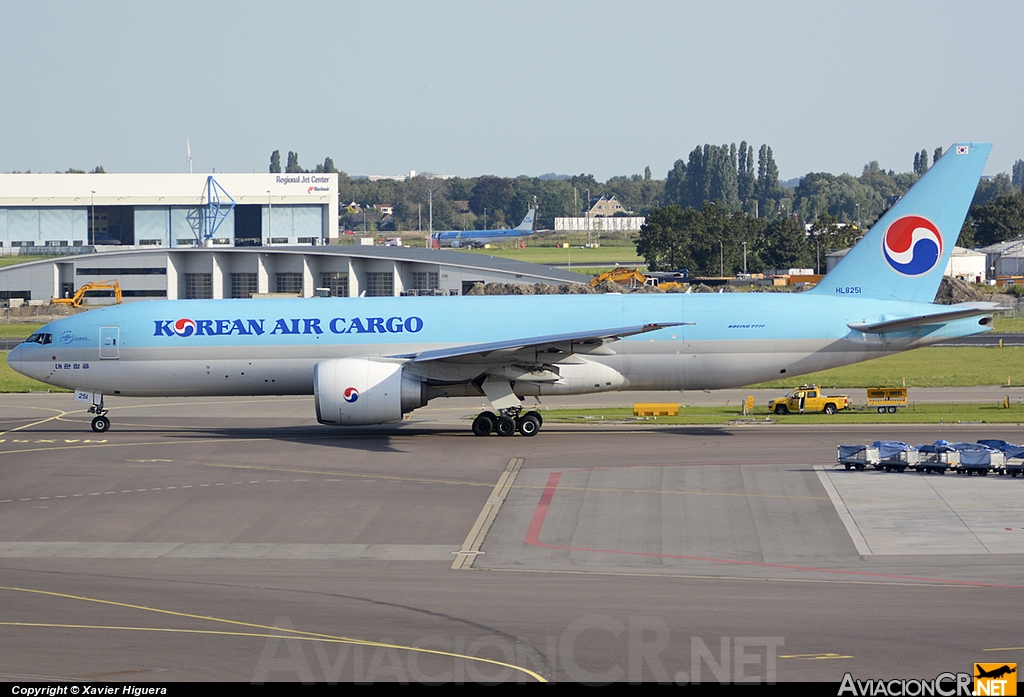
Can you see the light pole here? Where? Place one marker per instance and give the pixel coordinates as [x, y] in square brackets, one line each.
[92, 218]
[744, 258]
[590, 218]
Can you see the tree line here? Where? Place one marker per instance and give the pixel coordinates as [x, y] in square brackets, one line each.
[711, 206]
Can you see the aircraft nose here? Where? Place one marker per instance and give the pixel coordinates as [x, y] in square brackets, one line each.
[21, 360]
[15, 358]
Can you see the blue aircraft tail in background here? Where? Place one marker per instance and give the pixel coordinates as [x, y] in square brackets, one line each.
[527, 223]
[905, 254]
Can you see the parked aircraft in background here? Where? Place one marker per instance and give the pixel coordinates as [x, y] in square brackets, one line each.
[469, 238]
[371, 360]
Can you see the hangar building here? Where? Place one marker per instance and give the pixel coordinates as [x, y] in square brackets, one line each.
[240, 272]
[167, 210]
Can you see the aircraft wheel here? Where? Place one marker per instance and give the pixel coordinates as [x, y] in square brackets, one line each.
[101, 424]
[506, 426]
[830, 409]
[529, 425]
[483, 424]
[536, 415]
[781, 409]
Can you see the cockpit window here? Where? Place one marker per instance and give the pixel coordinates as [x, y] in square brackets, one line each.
[40, 338]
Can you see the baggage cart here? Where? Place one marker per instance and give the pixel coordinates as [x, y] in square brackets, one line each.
[936, 458]
[857, 456]
[895, 456]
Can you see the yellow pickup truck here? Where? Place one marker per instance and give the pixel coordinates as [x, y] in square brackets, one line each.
[808, 398]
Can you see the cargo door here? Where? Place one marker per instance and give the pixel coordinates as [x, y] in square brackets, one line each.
[110, 341]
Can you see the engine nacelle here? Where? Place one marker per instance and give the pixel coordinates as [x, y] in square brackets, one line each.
[362, 391]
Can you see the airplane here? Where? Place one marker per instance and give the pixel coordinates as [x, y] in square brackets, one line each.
[372, 360]
[469, 238]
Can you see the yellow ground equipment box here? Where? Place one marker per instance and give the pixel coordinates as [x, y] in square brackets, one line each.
[886, 399]
[655, 409]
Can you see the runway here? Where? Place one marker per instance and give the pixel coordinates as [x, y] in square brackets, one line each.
[236, 539]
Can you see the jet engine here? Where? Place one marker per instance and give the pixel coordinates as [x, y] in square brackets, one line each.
[362, 391]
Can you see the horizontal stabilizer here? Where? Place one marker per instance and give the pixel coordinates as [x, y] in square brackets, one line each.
[959, 311]
[558, 342]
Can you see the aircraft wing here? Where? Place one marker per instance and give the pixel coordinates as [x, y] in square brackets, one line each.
[959, 311]
[565, 343]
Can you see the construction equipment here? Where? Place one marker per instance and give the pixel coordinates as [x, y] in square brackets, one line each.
[631, 278]
[624, 276]
[76, 299]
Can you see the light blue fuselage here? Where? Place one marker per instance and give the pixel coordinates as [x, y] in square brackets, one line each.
[270, 346]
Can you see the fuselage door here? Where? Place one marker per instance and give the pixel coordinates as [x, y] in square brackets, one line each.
[110, 340]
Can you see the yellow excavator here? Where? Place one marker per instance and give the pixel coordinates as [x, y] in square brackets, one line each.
[624, 276]
[632, 278]
[76, 299]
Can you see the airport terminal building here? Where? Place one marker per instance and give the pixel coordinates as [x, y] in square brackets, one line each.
[167, 210]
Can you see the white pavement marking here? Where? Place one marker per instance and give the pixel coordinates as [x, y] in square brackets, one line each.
[471, 546]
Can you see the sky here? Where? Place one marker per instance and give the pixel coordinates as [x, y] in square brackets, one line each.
[504, 88]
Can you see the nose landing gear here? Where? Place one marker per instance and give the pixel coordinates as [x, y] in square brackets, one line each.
[100, 423]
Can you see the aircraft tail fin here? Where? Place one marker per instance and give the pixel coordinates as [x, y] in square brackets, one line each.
[527, 223]
[903, 256]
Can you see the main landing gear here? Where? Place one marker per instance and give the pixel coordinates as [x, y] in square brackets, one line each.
[508, 422]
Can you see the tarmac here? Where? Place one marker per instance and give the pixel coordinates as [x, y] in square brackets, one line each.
[236, 539]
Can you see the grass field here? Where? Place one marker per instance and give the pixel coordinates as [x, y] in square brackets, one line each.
[914, 414]
[18, 330]
[924, 367]
[11, 261]
[1008, 324]
[597, 256]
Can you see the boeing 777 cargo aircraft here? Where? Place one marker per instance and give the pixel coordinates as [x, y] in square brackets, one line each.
[371, 360]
